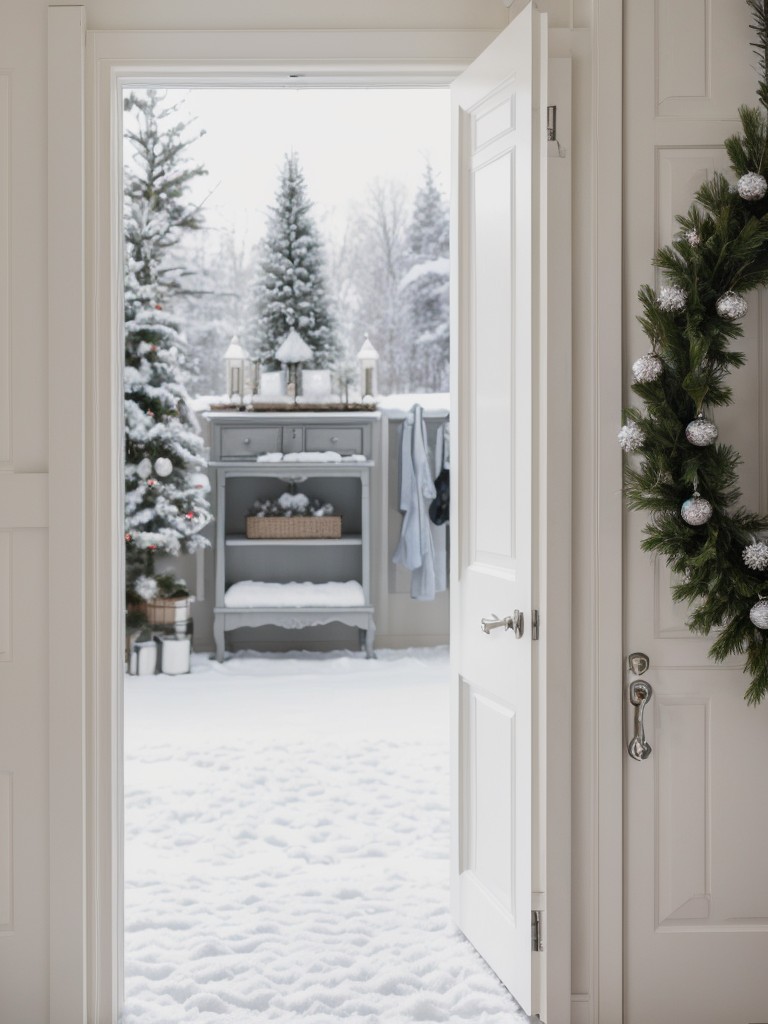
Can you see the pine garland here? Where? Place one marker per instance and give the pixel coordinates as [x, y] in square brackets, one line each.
[720, 254]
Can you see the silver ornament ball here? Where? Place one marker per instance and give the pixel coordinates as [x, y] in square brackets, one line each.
[647, 368]
[755, 555]
[751, 186]
[696, 510]
[731, 306]
[758, 614]
[672, 298]
[163, 466]
[701, 431]
[144, 468]
[631, 437]
[692, 237]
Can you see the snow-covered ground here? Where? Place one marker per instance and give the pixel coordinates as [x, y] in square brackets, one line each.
[286, 836]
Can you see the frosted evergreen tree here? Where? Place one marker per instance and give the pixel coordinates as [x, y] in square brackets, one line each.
[290, 290]
[426, 286]
[165, 485]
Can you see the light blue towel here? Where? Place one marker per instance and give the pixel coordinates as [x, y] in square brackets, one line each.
[416, 548]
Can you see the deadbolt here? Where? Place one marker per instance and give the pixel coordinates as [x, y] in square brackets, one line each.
[639, 663]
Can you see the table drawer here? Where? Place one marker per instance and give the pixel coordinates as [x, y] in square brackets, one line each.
[344, 440]
[244, 442]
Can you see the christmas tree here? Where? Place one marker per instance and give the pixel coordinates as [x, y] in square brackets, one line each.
[426, 286]
[165, 485]
[290, 287]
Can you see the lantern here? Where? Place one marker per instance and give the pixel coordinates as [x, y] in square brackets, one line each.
[367, 357]
[237, 363]
[292, 352]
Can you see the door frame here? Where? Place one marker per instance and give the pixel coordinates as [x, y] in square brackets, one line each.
[85, 73]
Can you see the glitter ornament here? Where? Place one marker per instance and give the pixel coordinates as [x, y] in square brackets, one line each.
[758, 614]
[672, 298]
[731, 306]
[692, 237]
[631, 437]
[751, 186]
[144, 468]
[163, 466]
[151, 482]
[696, 510]
[647, 368]
[755, 555]
[701, 431]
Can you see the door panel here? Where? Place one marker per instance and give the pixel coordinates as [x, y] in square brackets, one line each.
[496, 247]
[696, 892]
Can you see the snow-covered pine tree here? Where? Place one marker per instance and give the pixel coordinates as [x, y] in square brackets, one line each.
[290, 289]
[426, 285]
[165, 485]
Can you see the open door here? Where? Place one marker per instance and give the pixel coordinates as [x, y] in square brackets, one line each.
[499, 111]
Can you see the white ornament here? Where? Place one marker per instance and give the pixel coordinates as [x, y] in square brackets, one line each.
[144, 468]
[758, 614]
[696, 510]
[701, 431]
[647, 368]
[731, 306]
[672, 298]
[163, 466]
[751, 186]
[692, 237]
[755, 555]
[631, 437]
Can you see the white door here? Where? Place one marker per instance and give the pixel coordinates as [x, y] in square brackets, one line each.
[696, 814]
[498, 189]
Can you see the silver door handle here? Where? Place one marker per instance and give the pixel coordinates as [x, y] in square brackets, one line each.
[514, 622]
[640, 692]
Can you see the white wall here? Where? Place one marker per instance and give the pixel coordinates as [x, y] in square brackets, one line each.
[24, 431]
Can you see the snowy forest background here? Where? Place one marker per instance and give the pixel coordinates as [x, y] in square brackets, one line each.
[377, 263]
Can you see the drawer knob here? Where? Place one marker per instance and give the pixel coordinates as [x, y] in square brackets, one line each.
[246, 440]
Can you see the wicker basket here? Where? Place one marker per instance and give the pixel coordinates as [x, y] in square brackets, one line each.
[292, 527]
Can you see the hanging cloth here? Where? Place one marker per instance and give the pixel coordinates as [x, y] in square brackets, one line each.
[415, 549]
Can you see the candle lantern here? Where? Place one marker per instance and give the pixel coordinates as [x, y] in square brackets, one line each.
[368, 358]
[237, 363]
[292, 352]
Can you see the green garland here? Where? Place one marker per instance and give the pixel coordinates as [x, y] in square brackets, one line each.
[720, 254]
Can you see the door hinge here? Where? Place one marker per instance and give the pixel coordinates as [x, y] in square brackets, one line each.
[537, 941]
[535, 624]
[553, 143]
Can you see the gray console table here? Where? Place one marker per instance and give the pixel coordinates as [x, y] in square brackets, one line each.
[240, 477]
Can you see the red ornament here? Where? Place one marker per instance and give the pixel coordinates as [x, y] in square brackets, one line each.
[158, 306]
[190, 515]
[128, 537]
[151, 547]
[151, 482]
[150, 413]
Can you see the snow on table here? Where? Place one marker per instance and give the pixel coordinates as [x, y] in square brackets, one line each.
[287, 838]
[257, 594]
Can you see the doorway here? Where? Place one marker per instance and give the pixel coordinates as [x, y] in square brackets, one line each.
[109, 56]
[286, 816]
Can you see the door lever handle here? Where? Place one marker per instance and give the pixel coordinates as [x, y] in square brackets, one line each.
[640, 692]
[514, 622]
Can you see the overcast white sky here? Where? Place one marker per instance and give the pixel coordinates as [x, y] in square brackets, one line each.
[344, 138]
